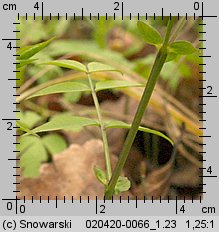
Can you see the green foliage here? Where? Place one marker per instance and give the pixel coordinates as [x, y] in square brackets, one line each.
[123, 184]
[23, 127]
[75, 65]
[54, 143]
[24, 62]
[29, 51]
[100, 175]
[66, 122]
[101, 28]
[182, 48]
[28, 118]
[149, 34]
[112, 84]
[100, 67]
[120, 124]
[89, 50]
[65, 87]
[70, 64]
[35, 150]
[33, 153]
[73, 87]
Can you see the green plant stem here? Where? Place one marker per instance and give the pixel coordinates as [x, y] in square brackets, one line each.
[102, 128]
[178, 28]
[155, 72]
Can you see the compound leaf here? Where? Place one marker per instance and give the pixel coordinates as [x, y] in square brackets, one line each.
[150, 34]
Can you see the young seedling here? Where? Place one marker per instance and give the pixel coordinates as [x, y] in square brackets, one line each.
[113, 182]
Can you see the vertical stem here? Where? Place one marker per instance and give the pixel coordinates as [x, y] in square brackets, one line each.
[155, 72]
[102, 128]
[181, 23]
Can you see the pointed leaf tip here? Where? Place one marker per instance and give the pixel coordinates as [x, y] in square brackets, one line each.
[70, 64]
[28, 51]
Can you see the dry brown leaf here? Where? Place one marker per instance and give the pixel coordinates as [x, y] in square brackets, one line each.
[71, 174]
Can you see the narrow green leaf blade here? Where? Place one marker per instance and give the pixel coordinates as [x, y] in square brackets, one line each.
[182, 47]
[21, 63]
[29, 51]
[100, 175]
[54, 143]
[112, 84]
[23, 127]
[66, 122]
[100, 67]
[65, 87]
[70, 64]
[120, 124]
[123, 184]
[150, 34]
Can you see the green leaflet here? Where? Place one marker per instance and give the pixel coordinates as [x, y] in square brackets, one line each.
[66, 122]
[100, 67]
[75, 65]
[182, 48]
[100, 175]
[70, 64]
[149, 34]
[28, 118]
[54, 143]
[112, 84]
[64, 87]
[28, 51]
[73, 87]
[123, 184]
[33, 153]
[23, 127]
[171, 56]
[120, 124]
[35, 150]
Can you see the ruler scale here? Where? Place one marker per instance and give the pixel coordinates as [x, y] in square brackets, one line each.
[91, 215]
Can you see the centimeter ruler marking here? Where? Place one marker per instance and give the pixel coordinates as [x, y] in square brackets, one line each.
[114, 16]
[20, 207]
